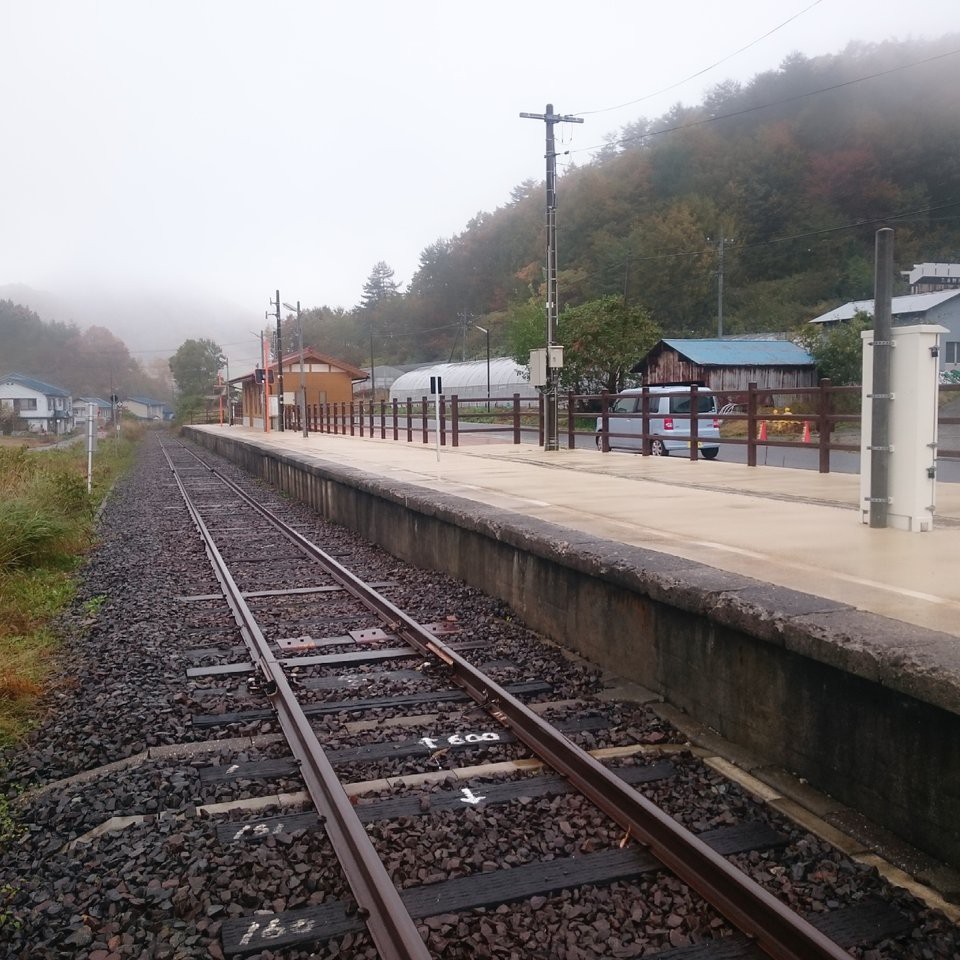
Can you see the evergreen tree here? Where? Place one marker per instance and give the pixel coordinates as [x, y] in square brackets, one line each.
[379, 286]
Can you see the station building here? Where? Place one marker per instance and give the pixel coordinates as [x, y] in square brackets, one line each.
[326, 380]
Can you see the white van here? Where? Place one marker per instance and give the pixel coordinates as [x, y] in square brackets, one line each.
[669, 428]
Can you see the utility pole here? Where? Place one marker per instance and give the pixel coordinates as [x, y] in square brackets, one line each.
[720, 248]
[303, 383]
[229, 397]
[373, 370]
[485, 330]
[276, 303]
[551, 439]
[266, 377]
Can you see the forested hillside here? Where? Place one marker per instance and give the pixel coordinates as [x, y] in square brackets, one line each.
[795, 170]
[85, 362]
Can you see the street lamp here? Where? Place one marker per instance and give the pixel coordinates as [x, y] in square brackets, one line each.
[487, 332]
[303, 386]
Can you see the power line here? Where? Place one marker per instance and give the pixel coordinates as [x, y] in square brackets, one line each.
[699, 73]
[763, 106]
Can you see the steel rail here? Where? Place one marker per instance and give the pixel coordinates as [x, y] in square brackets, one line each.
[778, 931]
[379, 904]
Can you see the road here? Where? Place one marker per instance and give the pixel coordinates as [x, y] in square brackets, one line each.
[808, 458]
[798, 458]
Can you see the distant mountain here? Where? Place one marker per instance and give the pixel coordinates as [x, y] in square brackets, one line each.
[150, 324]
[94, 341]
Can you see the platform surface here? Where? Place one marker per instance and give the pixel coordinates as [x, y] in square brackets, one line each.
[793, 528]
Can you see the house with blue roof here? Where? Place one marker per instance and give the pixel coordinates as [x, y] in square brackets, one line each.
[103, 410]
[936, 306]
[144, 408]
[35, 405]
[728, 365]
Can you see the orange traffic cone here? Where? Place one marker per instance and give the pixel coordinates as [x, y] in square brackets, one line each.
[762, 432]
[806, 431]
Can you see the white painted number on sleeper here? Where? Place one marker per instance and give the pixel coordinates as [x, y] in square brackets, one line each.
[459, 739]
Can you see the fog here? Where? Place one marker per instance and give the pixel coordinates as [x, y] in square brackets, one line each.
[209, 152]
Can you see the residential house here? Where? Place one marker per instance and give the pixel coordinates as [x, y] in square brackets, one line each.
[931, 277]
[102, 412]
[326, 380]
[941, 307]
[728, 366]
[143, 408]
[38, 406]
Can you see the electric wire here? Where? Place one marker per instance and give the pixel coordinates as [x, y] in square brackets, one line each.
[762, 106]
[700, 73]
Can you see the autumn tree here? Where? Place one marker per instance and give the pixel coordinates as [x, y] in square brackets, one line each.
[839, 350]
[195, 366]
[603, 339]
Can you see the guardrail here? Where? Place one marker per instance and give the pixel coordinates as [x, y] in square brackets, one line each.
[409, 418]
[808, 418]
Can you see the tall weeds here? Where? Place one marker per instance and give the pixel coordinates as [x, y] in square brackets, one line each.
[46, 524]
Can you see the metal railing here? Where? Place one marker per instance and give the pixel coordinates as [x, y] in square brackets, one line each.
[825, 418]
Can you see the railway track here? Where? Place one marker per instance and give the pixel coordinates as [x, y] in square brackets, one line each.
[376, 764]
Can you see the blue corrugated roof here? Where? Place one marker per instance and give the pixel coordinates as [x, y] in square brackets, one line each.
[47, 389]
[742, 353]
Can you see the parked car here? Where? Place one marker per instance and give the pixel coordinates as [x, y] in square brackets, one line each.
[669, 424]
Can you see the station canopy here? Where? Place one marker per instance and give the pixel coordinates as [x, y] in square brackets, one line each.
[467, 380]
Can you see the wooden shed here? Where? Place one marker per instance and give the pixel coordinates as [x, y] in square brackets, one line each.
[326, 379]
[728, 366]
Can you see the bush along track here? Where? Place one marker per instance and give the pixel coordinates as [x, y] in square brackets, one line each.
[116, 850]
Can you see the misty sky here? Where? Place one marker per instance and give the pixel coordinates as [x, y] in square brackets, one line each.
[227, 147]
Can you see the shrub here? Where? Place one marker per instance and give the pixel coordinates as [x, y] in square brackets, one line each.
[28, 535]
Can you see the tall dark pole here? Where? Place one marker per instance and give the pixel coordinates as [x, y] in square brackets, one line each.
[303, 382]
[487, 332]
[882, 395]
[720, 291]
[551, 439]
[279, 369]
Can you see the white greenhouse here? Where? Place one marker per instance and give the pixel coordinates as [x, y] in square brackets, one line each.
[468, 381]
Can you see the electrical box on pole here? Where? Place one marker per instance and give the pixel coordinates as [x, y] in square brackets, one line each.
[538, 367]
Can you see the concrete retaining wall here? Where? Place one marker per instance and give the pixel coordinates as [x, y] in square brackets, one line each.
[865, 708]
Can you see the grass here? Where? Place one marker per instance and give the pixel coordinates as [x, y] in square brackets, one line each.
[46, 526]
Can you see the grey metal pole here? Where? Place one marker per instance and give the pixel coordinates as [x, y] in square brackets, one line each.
[551, 439]
[90, 443]
[488, 370]
[720, 292]
[882, 387]
[229, 397]
[373, 370]
[279, 371]
[264, 393]
[486, 331]
[303, 383]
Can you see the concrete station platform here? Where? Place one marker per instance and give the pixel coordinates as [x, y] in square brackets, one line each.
[752, 600]
[793, 528]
